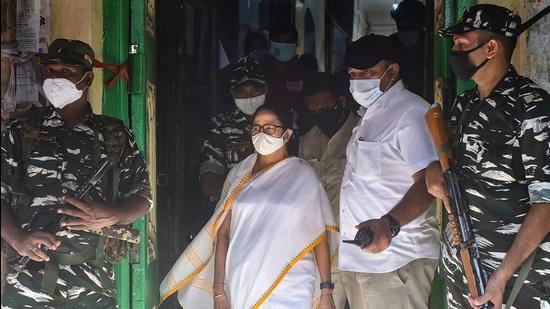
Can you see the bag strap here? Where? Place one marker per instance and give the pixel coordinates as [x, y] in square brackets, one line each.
[114, 141]
[518, 284]
[51, 270]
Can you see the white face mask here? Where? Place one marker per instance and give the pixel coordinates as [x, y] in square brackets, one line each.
[366, 91]
[61, 91]
[266, 144]
[250, 105]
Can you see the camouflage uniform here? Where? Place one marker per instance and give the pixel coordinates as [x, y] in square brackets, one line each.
[502, 150]
[59, 162]
[229, 139]
[228, 143]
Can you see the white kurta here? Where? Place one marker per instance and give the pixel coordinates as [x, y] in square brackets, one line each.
[390, 144]
[278, 217]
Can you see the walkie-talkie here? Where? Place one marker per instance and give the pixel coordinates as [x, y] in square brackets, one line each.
[362, 239]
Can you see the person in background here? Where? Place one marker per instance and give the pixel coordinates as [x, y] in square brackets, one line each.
[324, 145]
[310, 64]
[285, 76]
[502, 154]
[228, 141]
[409, 17]
[383, 188]
[256, 46]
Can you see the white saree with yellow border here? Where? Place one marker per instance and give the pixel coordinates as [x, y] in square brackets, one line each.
[278, 217]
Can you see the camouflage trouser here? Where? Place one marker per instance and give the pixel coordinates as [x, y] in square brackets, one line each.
[78, 286]
[531, 296]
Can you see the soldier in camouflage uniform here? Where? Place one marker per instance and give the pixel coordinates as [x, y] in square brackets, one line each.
[45, 157]
[229, 133]
[502, 152]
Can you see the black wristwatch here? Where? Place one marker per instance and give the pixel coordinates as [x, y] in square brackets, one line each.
[395, 227]
[326, 285]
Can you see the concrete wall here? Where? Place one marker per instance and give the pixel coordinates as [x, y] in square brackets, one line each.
[81, 20]
[532, 55]
[372, 16]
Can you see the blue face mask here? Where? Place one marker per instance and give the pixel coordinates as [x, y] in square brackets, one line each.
[283, 52]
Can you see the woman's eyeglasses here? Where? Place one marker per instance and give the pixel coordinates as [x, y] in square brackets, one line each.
[269, 129]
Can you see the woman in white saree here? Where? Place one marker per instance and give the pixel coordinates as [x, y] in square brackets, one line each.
[267, 244]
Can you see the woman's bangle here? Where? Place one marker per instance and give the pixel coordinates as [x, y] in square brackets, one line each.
[219, 295]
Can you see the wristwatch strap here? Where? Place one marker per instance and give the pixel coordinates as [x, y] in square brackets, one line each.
[395, 227]
[326, 285]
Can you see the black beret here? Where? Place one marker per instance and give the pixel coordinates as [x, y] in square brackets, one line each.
[369, 50]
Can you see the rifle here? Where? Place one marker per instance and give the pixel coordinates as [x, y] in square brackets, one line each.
[53, 225]
[459, 217]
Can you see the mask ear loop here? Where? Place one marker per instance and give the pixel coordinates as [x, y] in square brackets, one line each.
[283, 136]
[475, 48]
[83, 76]
[391, 80]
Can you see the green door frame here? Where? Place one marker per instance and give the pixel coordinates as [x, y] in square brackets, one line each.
[115, 104]
[462, 5]
[450, 88]
[145, 287]
[137, 283]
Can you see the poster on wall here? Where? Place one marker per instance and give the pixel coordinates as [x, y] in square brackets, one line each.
[28, 32]
[28, 25]
[44, 32]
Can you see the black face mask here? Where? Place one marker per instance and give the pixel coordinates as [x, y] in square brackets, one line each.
[461, 64]
[328, 121]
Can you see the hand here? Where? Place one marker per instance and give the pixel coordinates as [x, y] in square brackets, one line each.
[326, 301]
[87, 216]
[493, 293]
[436, 184]
[31, 245]
[382, 234]
[222, 302]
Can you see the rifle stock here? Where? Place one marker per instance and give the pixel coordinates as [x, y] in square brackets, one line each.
[459, 216]
[440, 137]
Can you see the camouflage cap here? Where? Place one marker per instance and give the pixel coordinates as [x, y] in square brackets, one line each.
[72, 52]
[247, 69]
[493, 18]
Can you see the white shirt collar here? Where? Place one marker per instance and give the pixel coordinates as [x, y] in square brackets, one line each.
[388, 95]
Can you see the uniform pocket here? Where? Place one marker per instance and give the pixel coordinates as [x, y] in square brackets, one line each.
[368, 159]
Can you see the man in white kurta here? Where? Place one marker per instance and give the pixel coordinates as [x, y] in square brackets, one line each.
[383, 187]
